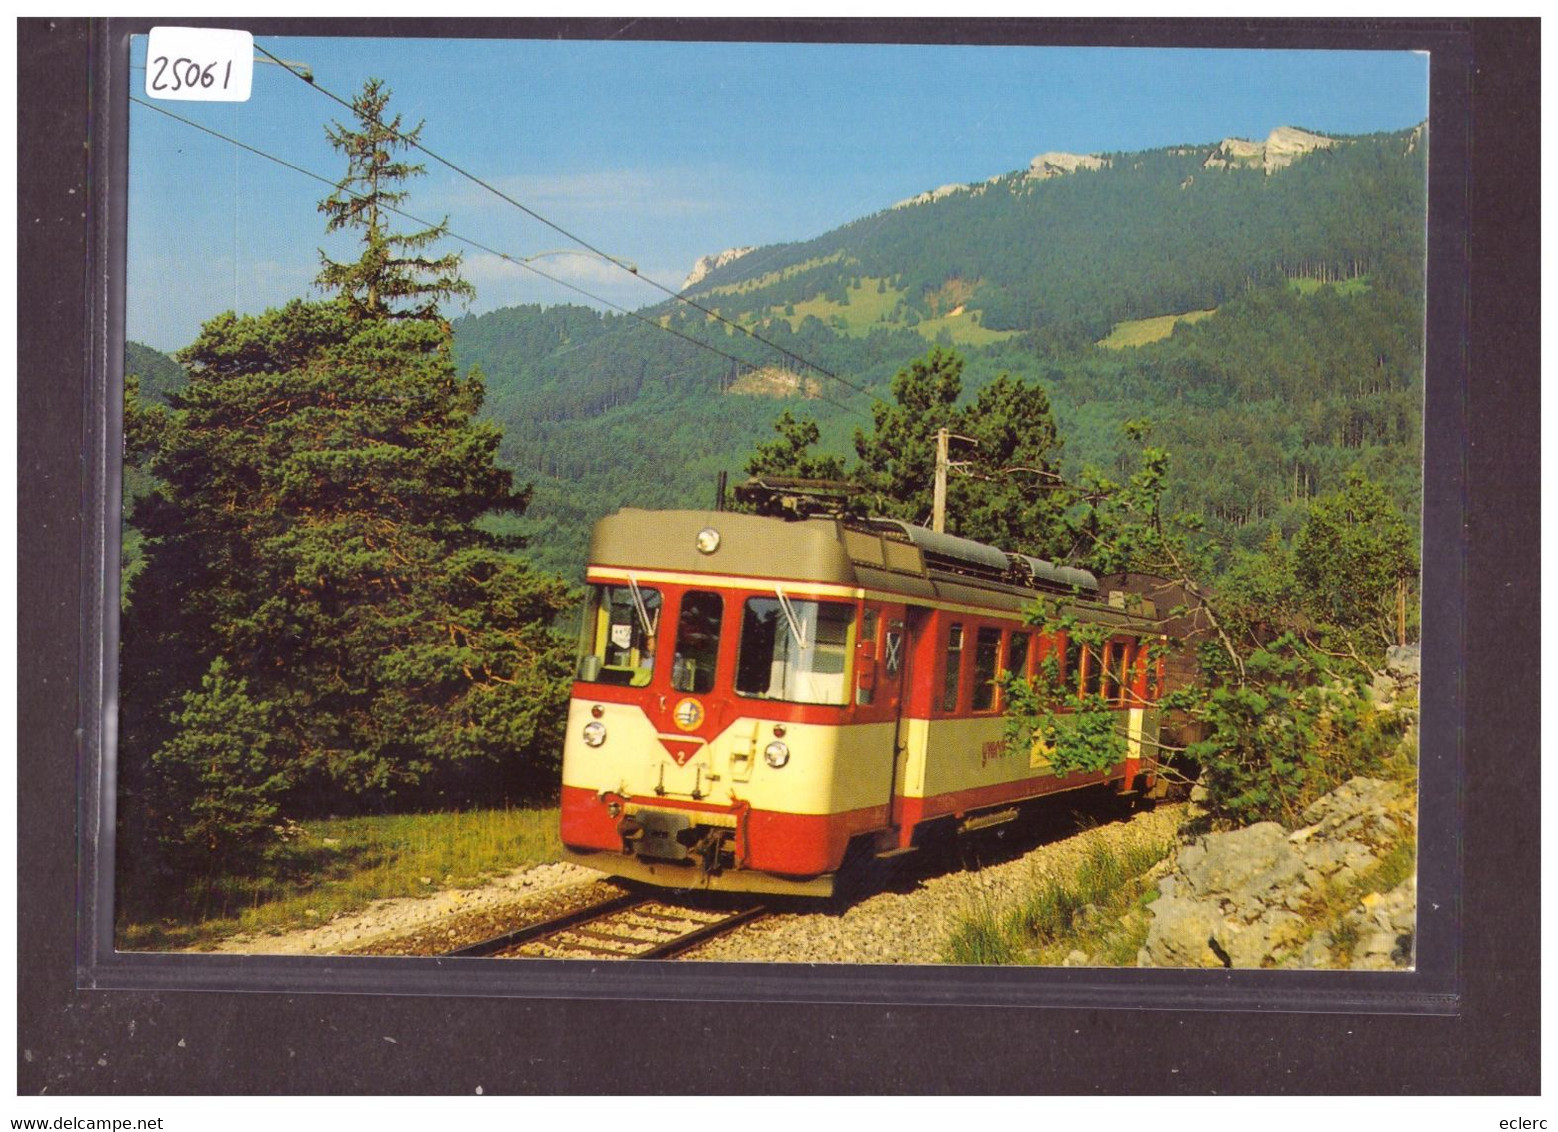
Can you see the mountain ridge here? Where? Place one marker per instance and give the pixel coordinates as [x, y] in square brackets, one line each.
[1309, 363]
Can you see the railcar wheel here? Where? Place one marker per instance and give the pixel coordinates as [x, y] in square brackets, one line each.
[862, 873]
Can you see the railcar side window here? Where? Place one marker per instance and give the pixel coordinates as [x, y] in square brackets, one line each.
[795, 650]
[697, 642]
[949, 688]
[865, 680]
[1072, 670]
[1114, 672]
[1092, 672]
[1017, 654]
[987, 650]
[617, 643]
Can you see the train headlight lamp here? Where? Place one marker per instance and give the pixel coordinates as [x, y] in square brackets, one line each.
[594, 733]
[776, 754]
[707, 541]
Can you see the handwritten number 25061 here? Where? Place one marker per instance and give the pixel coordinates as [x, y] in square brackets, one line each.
[187, 73]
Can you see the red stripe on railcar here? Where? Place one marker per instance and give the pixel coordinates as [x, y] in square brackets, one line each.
[959, 802]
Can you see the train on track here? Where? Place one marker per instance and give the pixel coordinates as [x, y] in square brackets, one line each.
[761, 696]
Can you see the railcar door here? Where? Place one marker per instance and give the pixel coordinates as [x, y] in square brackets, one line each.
[901, 633]
[881, 663]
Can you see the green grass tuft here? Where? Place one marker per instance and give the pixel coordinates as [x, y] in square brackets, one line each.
[1096, 910]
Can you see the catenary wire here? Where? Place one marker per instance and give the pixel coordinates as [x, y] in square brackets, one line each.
[518, 262]
[583, 243]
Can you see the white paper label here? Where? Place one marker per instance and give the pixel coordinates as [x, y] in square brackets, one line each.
[199, 64]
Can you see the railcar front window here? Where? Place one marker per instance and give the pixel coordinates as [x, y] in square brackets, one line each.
[697, 642]
[794, 650]
[617, 645]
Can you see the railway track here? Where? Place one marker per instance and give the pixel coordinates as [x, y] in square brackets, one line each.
[632, 926]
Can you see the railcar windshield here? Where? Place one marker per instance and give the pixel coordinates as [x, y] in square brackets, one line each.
[795, 650]
[697, 642]
[617, 643]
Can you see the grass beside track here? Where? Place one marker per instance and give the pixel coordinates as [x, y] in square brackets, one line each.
[1058, 915]
[341, 865]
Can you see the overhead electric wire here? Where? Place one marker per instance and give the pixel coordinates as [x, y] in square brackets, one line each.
[518, 262]
[313, 82]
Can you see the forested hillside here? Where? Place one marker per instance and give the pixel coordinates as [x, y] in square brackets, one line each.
[1147, 234]
[1304, 359]
[1301, 358]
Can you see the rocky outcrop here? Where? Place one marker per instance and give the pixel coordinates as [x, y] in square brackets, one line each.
[1287, 144]
[1257, 897]
[933, 195]
[1282, 147]
[711, 263]
[1235, 153]
[1047, 165]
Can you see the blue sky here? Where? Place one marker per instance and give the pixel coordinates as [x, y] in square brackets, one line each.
[658, 153]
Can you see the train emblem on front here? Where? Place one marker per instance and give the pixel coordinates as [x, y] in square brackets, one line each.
[688, 714]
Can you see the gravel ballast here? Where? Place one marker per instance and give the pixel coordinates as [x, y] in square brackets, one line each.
[909, 922]
[531, 892]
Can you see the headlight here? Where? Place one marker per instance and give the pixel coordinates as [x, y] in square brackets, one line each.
[594, 733]
[776, 754]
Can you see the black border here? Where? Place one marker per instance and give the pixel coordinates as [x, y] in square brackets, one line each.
[1490, 424]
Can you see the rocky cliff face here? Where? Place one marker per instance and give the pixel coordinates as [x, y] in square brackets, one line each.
[1250, 897]
[933, 195]
[1041, 168]
[1326, 895]
[1282, 147]
[708, 264]
[1047, 165]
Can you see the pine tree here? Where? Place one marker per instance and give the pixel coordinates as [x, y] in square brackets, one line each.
[1013, 494]
[1005, 487]
[791, 454]
[898, 458]
[223, 762]
[315, 537]
[389, 280]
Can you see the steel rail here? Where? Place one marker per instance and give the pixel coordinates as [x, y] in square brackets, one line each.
[546, 927]
[689, 940]
[595, 914]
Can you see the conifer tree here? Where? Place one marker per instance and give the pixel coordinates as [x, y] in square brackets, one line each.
[390, 279]
[315, 540]
[1006, 488]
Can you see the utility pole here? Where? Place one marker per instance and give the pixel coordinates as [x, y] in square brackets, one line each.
[938, 520]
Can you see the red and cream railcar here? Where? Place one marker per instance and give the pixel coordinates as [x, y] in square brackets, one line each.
[755, 695]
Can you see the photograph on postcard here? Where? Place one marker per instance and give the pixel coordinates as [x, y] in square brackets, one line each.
[772, 502]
